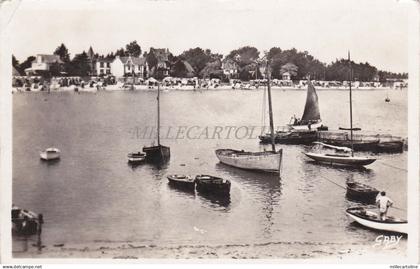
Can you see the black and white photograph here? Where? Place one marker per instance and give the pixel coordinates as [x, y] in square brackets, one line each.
[214, 130]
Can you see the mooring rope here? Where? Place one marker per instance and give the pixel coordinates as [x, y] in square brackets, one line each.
[335, 183]
[392, 166]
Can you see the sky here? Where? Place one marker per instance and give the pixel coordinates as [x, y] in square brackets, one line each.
[374, 31]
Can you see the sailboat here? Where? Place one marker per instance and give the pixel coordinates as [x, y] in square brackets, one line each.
[267, 161]
[343, 159]
[311, 118]
[158, 153]
[301, 131]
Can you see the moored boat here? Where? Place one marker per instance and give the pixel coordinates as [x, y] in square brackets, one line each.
[361, 192]
[136, 157]
[267, 161]
[212, 184]
[261, 161]
[50, 154]
[182, 181]
[371, 220]
[340, 159]
[25, 222]
[291, 137]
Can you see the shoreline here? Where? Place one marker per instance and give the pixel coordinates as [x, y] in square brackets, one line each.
[270, 250]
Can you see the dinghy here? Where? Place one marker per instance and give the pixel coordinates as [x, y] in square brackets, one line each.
[361, 192]
[136, 157]
[371, 220]
[212, 184]
[182, 181]
[50, 154]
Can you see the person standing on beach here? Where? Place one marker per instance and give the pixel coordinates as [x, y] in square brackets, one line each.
[383, 203]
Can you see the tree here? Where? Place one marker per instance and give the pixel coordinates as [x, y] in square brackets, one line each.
[197, 58]
[151, 59]
[63, 53]
[26, 64]
[121, 52]
[292, 69]
[133, 49]
[212, 70]
[244, 56]
[80, 65]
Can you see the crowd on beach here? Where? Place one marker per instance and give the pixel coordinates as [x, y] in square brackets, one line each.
[38, 83]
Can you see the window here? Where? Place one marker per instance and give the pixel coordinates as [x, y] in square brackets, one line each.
[108, 71]
[101, 64]
[101, 71]
[108, 65]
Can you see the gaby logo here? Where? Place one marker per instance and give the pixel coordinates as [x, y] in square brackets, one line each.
[387, 241]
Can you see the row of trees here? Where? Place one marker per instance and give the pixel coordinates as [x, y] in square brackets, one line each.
[205, 64]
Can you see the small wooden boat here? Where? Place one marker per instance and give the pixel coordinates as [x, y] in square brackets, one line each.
[371, 220]
[183, 181]
[267, 161]
[157, 154]
[365, 144]
[340, 159]
[50, 154]
[361, 192]
[136, 157]
[212, 184]
[25, 222]
[390, 146]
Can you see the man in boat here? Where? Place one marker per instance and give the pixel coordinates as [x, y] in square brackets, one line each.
[383, 203]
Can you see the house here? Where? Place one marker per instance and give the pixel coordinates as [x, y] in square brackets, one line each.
[43, 63]
[128, 65]
[286, 76]
[163, 65]
[102, 66]
[230, 67]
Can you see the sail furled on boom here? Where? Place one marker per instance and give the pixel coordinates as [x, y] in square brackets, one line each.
[311, 112]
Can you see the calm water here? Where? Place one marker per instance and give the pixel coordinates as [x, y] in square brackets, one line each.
[93, 195]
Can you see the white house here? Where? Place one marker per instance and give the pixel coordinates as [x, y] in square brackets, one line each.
[121, 66]
[286, 76]
[43, 63]
[103, 67]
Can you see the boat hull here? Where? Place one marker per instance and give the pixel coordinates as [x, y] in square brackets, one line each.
[184, 183]
[48, 156]
[213, 186]
[394, 225]
[292, 137]
[357, 145]
[263, 161]
[157, 153]
[361, 192]
[314, 126]
[340, 159]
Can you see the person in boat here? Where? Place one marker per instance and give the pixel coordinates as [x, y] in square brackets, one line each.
[383, 202]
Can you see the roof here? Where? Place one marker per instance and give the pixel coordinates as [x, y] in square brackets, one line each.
[135, 60]
[105, 60]
[161, 54]
[15, 72]
[49, 58]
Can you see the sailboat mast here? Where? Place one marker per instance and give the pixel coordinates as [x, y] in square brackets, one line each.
[270, 108]
[351, 108]
[158, 114]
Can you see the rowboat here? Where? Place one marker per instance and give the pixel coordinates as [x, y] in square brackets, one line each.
[361, 192]
[371, 220]
[50, 154]
[212, 184]
[182, 181]
[25, 222]
[267, 161]
[136, 157]
[340, 159]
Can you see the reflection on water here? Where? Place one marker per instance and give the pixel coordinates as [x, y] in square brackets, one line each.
[92, 194]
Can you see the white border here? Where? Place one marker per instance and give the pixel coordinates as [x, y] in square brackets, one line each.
[6, 11]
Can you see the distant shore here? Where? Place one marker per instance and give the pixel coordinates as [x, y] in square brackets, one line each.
[186, 88]
[271, 250]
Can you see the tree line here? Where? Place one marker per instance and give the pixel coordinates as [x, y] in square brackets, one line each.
[203, 63]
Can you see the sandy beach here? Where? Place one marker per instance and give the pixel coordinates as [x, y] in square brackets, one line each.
[269, 250]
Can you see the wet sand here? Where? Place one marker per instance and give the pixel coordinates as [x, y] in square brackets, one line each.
[271, 250]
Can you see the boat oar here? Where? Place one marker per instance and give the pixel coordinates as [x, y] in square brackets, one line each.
[334, 182]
